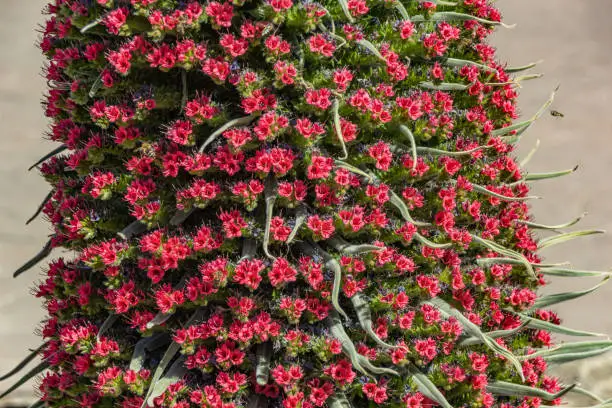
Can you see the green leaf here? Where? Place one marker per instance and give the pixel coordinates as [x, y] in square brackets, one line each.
[48, 156]
[347, 12]
[571, 351]
[582, 391]
[558, 239]
[406, 132]
[347, 248]
[167, 358]
[145, 345]
[31, 374]
[338, 128]
[494, 246]
[270, 197]
[174, 374]
[159, 319]
[508, 389]
[438, 152]
[523, 126]
[530, 155]
[338, 400]
[426, 387]
[108, 323]
[264, 354]
[24, 362]
[444, 86]
[91, 24]
[334, 323]
[243, 121]
[40, 207]
[549, 175]
[553, 227]
[470, 341]
[549, 300]
[364, 315]
[571, 273]
[475, 331]
[135, 228]
[300, 218]
[370, 47]
[484, 190]
[458, 63]
[522, 68]
[538, 324]
[334, 266]
[44, 252]
[454, 16]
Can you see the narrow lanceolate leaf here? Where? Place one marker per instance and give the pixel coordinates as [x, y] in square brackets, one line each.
[470, 341]
[362, 308]
[519, 390]
[174, 374]
[534, 323]
[427, 387]
[559, 239]
[347, 12]
[270, 195]
[523, 67]
[455, 62]
[135, 228]
[530, 155]
[571, 273]
[334, 323]
[52, 153]
[338, 400]
[91, 25]
[475, 331]
[371, 48]
[231, 124]
[108, 323]
[44, 252]
[458, 153]
[444, 86]
[549, 300]
[571, 351]
[553, 227]
[334, 266]
[31, 374]
[159, 319]
[168, 356]
[587, 393]
[413, 147]
[524, 125]
[300, 218]
[486, 191]
[493, 246]
[263, 355]
[24, 362]
[144, 346]
[454, 16]
[37, 404]
[40, 207]
[338, 128]
[550, 175]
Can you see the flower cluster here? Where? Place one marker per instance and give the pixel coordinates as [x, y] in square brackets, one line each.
[287, 204]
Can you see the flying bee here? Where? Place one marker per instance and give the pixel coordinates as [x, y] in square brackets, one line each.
[557, 114]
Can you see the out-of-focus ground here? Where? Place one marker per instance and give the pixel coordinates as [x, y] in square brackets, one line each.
[572, 37]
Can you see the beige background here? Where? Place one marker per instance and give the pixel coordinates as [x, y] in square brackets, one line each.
[572, 37]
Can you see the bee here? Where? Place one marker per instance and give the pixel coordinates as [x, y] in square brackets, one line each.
[557, 114]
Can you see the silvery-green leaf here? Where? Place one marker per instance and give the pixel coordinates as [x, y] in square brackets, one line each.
[568, 236]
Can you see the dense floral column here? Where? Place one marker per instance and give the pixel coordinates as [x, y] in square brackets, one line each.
[297, 205]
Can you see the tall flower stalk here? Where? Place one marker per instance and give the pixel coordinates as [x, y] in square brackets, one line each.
[269, 203]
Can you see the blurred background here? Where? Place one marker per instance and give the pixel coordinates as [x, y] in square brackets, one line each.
[573, 38]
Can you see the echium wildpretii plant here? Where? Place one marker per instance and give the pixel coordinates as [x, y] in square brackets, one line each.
[297, 204]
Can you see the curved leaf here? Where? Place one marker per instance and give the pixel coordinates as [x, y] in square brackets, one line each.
[24, 362]
[300, 218]
[519, 390]
[444, 86]
[494, 246]
[413, 147]
[364, 316]
[558, 239]
[270, 197]
[571, 273]
[243, 121]
[145, 345]
[338, 128]
[52, 153]
[174, 374]
[538, 324]
[553, 227]
[571, 351]
[475, 331]
[108, 323]
[40, 207]
[338, 400]
[549, 300]
[44, 252]
[426, 387]
[31, 374]
[549, 175]
[262, 371]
